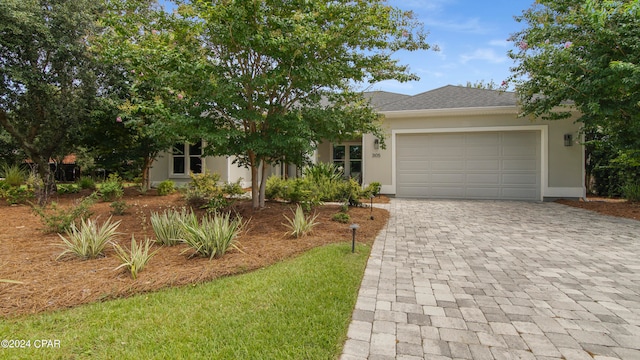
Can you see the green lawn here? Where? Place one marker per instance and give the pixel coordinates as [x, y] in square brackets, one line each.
[298, 309]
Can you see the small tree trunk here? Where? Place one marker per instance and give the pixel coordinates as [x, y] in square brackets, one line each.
[255, 192]
[146, 168]
[263, 183]
[44, 190]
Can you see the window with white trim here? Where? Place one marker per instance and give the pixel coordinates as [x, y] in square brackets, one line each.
[187, 158]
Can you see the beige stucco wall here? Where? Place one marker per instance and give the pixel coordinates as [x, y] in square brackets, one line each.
[222, 165]
[160, 170]
[564, 171]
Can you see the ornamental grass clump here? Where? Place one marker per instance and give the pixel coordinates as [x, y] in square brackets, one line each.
[169, 225]
[89, 240]
[213, 236]
[136, 258]
[300, 225]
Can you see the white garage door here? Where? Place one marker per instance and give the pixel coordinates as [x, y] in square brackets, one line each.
[480, 165]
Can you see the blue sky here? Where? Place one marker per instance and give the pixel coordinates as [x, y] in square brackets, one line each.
[472, 36]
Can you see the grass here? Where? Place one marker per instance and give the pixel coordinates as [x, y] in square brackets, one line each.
[297, 309]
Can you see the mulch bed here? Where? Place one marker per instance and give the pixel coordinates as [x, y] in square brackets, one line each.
[29, 255]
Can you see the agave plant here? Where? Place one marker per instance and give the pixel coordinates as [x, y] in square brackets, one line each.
[213, 236]
[300, 225]
[136, 258]
[89, 240]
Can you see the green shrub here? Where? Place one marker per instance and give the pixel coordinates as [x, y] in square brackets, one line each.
[112, 188]
[119, 207]
[373, 189]
[233, 189]
[67, 189]
[168, 226]
[300, 225]
[136, 258]
[86, 182]
[204, 191]
[89, 240]
[323, 171]
[213, 236]
[59, 220]
[631, 191]
[17, 194]
[14, 175]
[351, 192]
[341, 217]
[276, 188]
[166, 187]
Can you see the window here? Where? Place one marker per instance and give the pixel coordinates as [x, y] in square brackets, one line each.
[349, 158]
[187, 156]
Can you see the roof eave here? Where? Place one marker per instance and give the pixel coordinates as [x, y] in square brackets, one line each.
[485, 110]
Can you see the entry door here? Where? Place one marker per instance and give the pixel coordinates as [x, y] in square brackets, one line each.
[349, 158]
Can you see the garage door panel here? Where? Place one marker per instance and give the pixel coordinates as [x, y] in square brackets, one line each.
[416, 179]
[523, 149]
[520, 165]
[446, 192]
[484, 165]
[519, 179]
[480, 165]
[415, 165]
[448, 178]
[488, 179]
[483, 193]
[482, 151]
[437, 165]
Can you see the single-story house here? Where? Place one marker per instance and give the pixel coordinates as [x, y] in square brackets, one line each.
[453, 142]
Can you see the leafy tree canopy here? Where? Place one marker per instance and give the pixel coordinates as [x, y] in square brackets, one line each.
[151, 71]
[47, 76]
[281, 73]
[584, 52]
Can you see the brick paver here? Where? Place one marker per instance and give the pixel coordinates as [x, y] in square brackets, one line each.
[490, 280]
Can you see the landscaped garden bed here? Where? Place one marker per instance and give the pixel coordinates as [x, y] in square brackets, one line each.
[29, 255]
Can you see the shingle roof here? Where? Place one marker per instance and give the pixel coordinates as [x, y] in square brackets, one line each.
[381, 98]
[446, 97]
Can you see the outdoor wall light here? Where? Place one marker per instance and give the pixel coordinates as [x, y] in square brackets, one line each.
[376, 144]
[568, 140]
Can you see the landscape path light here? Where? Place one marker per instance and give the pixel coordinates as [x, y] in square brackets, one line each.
[353, 228]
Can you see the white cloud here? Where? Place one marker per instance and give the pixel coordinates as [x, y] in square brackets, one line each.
[487, 55]
[467, 26]
[500, 43]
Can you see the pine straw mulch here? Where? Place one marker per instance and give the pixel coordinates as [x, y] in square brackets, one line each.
[607, 206]
[29, 255]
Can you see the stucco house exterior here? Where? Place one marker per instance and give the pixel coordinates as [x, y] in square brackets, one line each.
[453, 142]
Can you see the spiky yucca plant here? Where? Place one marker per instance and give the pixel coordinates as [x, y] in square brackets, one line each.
[300, 225]
[168, 226]
[89, 240]
[136, 258]
[213, 236]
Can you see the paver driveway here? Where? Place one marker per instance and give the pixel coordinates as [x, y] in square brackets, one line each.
[499, 280]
